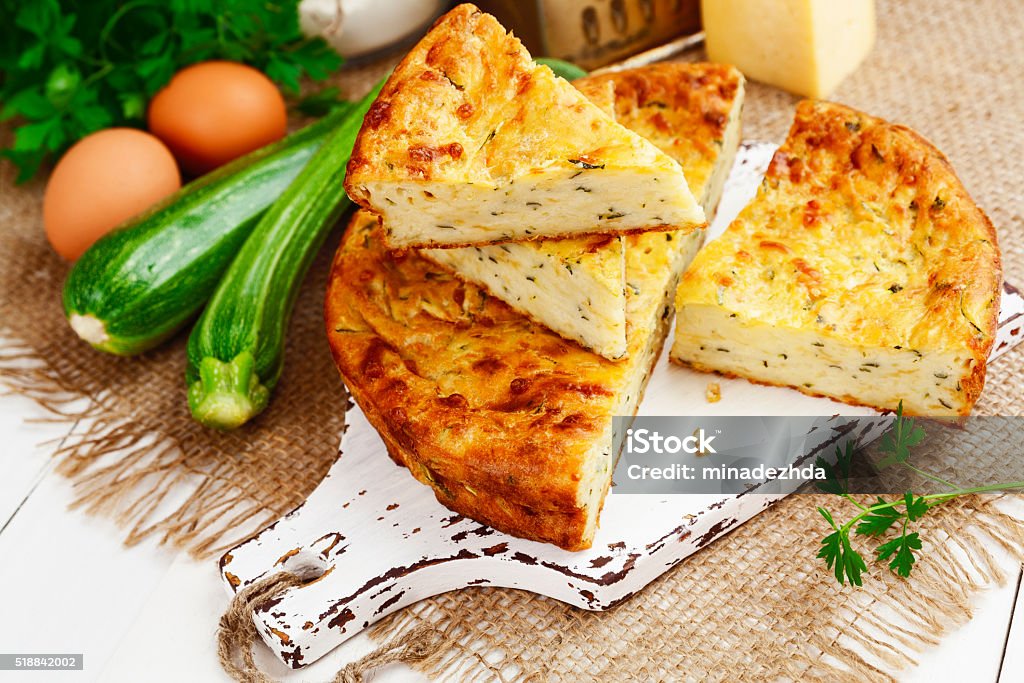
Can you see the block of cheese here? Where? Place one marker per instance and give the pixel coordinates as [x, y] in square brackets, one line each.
[862, 271]
[576, 287]
[472, 142]
[804, 46]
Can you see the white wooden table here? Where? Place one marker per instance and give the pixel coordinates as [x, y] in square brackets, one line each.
[149, 613]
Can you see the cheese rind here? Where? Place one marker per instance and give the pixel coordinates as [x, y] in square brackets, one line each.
[471, 142]
[804, 46]
[691, 112]
[862, 271]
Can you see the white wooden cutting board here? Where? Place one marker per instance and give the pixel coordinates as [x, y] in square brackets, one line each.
[378, 540]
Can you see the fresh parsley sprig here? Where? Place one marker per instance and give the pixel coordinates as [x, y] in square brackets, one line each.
[877, 519]
[71, 67]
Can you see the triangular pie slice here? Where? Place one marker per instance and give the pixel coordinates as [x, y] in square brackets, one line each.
[576, 287]
[471, 142]
[509, 423]
[690, 111]
[862, 271]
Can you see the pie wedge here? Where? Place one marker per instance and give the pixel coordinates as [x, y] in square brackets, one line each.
[689, 111]
[862, 271]
[471, 142]
[509, 423]
[576, 287]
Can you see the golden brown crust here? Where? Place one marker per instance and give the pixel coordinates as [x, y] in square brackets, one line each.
[469, 110]
[499, 415]
[432, 74]
[423, 351]
[684, 108]
[861, 231]
[433, 361]
[501, 509]
[984, 274]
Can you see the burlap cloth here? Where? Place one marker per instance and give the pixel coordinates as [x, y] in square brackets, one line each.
[754, 605]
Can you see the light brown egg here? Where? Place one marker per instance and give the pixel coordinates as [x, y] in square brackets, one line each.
[213, 112]
[103, 180]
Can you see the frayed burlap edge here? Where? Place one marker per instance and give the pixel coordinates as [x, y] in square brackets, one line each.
[138, 477]
[119, 460]
[845, 634]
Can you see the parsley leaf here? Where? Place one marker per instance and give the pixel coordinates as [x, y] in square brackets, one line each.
[878, 518]
[898, 441]
[901, 549]
[879, 521]
[839, 555]
[916, 507]
[70, 68]
[837, 478]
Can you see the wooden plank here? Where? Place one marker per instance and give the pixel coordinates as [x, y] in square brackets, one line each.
[180, 617]
[1011, 666]
[26, 451]
[70, 584]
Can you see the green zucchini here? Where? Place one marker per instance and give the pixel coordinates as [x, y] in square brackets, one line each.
[566, 70]
[141, 283]
[236, 350]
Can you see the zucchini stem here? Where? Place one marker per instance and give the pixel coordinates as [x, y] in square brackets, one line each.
[227, 395]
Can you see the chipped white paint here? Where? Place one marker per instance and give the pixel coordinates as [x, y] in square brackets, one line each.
[378, 540]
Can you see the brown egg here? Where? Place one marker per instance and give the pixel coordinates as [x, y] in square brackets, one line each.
[213, 112]
[102, 181]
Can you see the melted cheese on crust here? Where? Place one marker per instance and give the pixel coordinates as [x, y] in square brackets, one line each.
[471, 142]
[576, 287]
[862, 271]
[689, 111]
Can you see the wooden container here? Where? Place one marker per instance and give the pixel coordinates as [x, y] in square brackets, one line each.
[595, 32]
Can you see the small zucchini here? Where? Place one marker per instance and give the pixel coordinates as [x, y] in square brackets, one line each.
[141, 283]
[236, 350]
